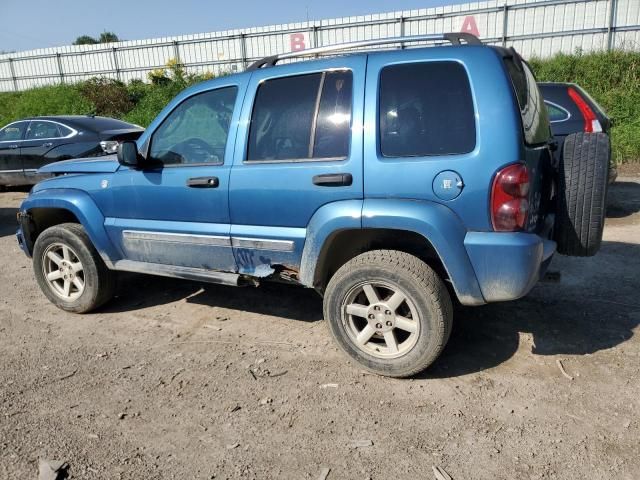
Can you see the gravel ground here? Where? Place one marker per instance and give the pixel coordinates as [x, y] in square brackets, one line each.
[176, 379]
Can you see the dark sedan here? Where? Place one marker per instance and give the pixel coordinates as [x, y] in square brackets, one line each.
[571, 109]
[26, 145]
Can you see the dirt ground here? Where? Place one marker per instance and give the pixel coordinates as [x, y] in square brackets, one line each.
[180, 380]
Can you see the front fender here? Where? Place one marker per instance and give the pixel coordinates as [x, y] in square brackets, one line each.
[83, 207]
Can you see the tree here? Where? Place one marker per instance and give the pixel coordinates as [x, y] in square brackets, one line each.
[85, 40]
[105, 37]
[108, 37]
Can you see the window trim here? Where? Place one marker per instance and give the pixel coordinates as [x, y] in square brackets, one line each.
[559, 107]
[159, 165]
[380, 153]
[323, 73]
[73, 133]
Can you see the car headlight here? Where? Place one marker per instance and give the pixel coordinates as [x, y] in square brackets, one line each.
[109, 146]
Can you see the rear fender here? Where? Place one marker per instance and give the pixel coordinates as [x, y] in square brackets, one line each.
[435, 222]
[441, 227]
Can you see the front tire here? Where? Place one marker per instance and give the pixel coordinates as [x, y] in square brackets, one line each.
[389, 311]
[69, 270]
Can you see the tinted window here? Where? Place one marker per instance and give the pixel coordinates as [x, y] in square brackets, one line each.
[556, 113]
[535, 122]
[426, 109]
[41, 130]
[519, 82]
[302, 117]
[282, 118]
[13, 132]
[196, 130]
[334, 117]
[64, 131]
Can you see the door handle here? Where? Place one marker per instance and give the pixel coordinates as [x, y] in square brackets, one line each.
[333, 180]
[203, 182]
[47, 145]
[13, 146]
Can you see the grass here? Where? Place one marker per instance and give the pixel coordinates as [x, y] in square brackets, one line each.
[611, 78]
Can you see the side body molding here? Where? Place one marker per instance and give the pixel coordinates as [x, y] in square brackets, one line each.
[83, 207]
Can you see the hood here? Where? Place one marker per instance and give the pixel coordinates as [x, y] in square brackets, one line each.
[106, 164]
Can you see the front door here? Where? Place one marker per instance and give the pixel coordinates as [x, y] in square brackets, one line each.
[42, 136]
[299, 148]
[11, 136]
[175, 211]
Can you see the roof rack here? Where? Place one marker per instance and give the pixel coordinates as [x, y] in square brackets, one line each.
[455, 38]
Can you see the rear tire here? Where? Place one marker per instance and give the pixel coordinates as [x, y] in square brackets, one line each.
[389, 311]
[69, 269]
[582, 189]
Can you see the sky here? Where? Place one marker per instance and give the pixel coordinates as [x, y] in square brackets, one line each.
[32, 24]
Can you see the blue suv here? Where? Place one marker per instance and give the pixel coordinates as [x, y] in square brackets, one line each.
[389, 181]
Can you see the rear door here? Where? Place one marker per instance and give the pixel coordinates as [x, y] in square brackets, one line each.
[299, 147]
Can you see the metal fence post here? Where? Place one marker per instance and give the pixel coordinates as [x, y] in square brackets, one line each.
[13, 74]
[402, 29]
[505, 23]
[176, 51]
[611, 25]
[243, 50]
[114, 52]
[60, 72]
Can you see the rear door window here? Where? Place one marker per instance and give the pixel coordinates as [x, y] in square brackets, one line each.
[39, 130]
[302, 117]
[425, 109]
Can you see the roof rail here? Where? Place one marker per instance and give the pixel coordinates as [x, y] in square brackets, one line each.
[455, 38]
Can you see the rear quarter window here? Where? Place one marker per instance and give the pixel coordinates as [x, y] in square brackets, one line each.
[556, 112]
[425, 109]
[535, 120]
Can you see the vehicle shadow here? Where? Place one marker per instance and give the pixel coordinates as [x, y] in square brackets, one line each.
[8, 222]
[622, 199]
[273, 299]
[593, 308]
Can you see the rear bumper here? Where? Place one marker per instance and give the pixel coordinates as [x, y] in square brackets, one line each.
[507, 265]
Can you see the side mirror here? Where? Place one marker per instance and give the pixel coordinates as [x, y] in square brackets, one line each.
[128, 154]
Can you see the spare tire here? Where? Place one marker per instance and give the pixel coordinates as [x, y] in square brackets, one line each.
[582, 190]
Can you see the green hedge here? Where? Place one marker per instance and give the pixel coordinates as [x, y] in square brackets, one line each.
[612, 78]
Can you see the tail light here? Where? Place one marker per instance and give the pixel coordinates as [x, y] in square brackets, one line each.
[109, 146]
[509, 198]
[591, 122]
